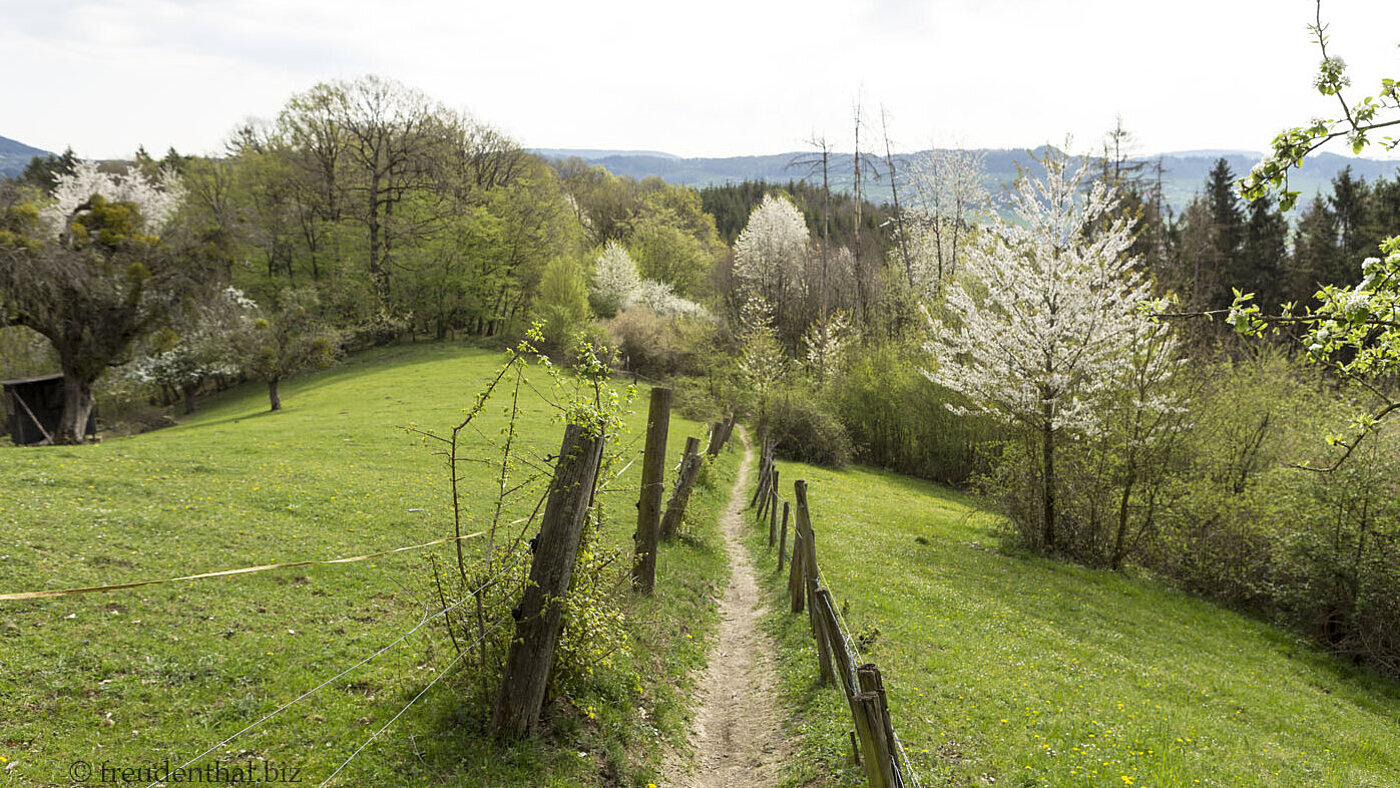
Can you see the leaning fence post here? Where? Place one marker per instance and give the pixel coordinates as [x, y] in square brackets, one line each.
[870, 680]
[653, 485]
[840, 650]
[879, 770]
[795, 590]
[531, 654]
[675, 508]
[810, 580]
[782, 539]
[717, 438]
[773, 509]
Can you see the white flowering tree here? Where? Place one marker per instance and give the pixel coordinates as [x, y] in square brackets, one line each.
[1046, 316]
[201, 346]
[762, 363]
[948, 197]
[826, 342]
[97, 270]
[615, 280]
[771, 250]
[615, 286]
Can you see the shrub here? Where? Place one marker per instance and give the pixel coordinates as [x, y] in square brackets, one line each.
[897, 419]
[804, 430]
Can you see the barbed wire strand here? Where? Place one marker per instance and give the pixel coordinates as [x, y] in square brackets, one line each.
[415, 699]
[423, 622]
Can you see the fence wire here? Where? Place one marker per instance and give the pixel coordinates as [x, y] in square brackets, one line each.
[906, 772]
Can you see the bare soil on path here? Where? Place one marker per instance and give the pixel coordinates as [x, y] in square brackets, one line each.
[738, 726]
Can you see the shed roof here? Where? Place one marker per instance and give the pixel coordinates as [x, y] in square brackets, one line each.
[40, 379]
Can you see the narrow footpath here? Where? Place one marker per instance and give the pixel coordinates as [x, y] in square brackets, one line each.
[738, 737]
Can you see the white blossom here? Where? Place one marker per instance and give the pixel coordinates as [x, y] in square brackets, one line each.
[156, 200]
[770, 251]
[1045, 316]
[615, 280]
[661, 299]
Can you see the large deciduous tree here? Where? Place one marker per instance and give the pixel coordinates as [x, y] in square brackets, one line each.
[1044, 319]
[98, 269]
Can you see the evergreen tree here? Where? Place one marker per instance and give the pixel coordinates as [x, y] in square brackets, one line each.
[1315, 253]
[1264, 254]
[1227, 230]
[1349, 203]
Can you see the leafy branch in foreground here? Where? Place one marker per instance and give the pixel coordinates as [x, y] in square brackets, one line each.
[1354, 330]
[1356, 124]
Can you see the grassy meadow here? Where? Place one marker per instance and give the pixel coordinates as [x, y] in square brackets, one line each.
[1008, 669]
[136, 677]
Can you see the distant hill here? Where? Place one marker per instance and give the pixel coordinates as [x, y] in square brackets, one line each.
[1183, 175]
[15, 156]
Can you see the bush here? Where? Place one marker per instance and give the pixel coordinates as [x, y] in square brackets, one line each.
[648, 345]
[898, 419]
[804, 430]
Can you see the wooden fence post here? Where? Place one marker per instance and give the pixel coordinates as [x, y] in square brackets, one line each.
[675, 508]
[773, 509]
[782, 539]
[518, 704]
[840, 650]
[879, 769]
[653, 485]
[810, 579]
[795, 581]
[717, 439]
[762, 472]
[870, 680]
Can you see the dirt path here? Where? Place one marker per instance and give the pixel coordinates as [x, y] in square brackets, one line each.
[737, 733]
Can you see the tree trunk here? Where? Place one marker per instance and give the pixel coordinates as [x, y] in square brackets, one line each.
[1117, 561]
[188, 390]
[273, 395]
[1048, 469]
[77, 406]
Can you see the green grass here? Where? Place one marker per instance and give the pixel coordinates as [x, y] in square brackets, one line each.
[1008, 669]
[138, 676]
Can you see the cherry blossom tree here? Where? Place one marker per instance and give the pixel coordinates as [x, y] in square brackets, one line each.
[1044, 320]
[771, 250]
[100, 269]
[615, 280]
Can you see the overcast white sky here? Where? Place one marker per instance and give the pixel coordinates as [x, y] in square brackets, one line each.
[718, 78]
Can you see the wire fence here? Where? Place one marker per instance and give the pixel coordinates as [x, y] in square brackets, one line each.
[808, 588]
[422, 622]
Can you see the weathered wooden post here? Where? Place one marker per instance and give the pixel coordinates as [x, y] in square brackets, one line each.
[782, 539]
[518, 704]
[653, 485]
[765, 487]
[773, 509]
[716, 439]
[810, 577]
[795, 580]
[763, 459]
[870, 680]
[840, 651]
[680, 496]
[879, 767]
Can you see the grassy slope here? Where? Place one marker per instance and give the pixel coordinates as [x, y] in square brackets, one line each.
[137, 676]
[1010, 669]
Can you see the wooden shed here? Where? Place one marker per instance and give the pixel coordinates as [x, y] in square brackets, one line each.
[34, 407]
